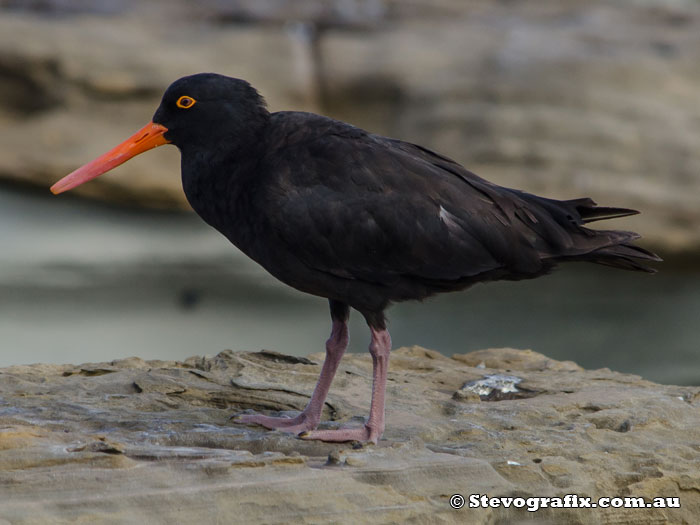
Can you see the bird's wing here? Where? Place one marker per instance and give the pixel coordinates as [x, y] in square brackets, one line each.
[360, 206]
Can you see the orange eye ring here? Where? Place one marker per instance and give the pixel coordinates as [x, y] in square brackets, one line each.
[185, 102]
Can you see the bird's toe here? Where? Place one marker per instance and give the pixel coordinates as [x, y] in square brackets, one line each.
[285, 424]
[362, 434]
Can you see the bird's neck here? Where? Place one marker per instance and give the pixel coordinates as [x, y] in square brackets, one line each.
[217, 180]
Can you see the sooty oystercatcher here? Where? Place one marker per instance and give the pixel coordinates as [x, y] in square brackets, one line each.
[360, 219]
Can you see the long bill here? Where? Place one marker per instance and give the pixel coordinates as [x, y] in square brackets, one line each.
[148, 137]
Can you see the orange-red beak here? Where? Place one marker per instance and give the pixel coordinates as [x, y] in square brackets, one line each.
[148, 137]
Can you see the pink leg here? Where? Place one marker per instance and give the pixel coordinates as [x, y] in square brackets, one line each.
[374, 428]
[309, 418]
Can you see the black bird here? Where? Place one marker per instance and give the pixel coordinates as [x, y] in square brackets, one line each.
[360, 219]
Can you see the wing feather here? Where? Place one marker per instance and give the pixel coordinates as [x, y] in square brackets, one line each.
[365, 207]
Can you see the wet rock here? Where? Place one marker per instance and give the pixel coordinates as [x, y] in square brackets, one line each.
[134, 440]
[494, 387]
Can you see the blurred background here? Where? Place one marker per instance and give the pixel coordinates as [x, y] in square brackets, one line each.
[567, 99]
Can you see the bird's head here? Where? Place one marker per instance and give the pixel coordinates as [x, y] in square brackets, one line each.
[196, 111]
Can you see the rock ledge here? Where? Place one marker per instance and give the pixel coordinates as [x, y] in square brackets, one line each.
[134, 441]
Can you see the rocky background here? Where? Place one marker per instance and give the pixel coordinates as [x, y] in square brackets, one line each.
[133, 441]
[568, 98]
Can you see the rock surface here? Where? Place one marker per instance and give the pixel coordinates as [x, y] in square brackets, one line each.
[151, 441]
[564, 98]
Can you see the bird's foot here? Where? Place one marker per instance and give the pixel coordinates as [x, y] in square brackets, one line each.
[301, 423]
[362, 434]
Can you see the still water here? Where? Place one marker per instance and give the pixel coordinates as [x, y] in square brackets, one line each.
[83, 281]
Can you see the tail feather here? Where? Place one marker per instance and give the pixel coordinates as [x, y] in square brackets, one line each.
[630, 250]
[560, 224]
[589, 212]
[618, 256]
[617, 250]
[624, 256]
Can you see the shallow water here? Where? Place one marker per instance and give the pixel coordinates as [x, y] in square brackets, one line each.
[83, 281]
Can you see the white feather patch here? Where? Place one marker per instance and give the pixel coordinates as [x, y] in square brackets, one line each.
[449, 220]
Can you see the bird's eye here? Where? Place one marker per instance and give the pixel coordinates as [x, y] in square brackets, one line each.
[185, 102]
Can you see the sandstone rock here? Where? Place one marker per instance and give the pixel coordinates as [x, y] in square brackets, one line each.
[151, 441]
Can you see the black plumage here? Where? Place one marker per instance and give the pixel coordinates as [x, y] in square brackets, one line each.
[335, 211]
[361, 219]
